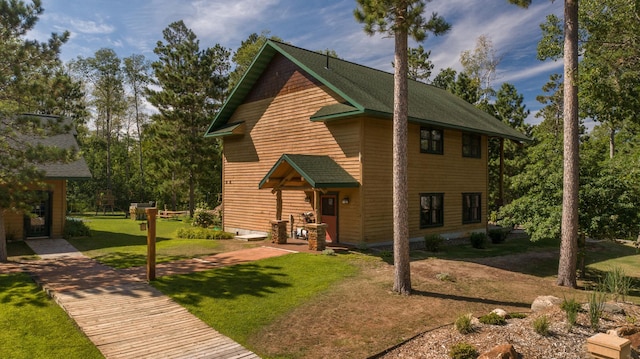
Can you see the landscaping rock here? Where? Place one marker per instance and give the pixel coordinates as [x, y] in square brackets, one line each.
[504, 351]
[544, 301]
[501, 312]
[612, 308]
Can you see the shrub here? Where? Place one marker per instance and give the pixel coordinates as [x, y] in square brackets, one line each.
[203, 218]
[329, 252]
[445, 277]
[517, 315]
[203, 233]
[478, 240]
[74, 227]
[463, 350]
[432, 242]
[498, 235]
[463, 324]
[617, 283]
[541, 325]
[596, 304]
[571, 307]
[493, 319]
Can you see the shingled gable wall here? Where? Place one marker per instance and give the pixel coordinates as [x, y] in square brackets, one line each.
[276, 114]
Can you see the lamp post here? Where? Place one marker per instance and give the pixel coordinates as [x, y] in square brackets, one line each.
[151, 242]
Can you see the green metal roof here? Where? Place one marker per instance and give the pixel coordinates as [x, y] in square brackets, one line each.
[230, 129]
[307, 171]
[368, 91]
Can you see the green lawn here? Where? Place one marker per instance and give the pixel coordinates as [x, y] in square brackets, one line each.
[33, 326]
[240, 300]
[118, 242]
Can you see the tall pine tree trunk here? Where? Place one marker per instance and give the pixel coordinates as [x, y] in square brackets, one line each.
[3, 238]
[569, 244]
[402, 271]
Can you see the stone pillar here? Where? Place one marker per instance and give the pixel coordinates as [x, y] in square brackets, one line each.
[317, 236]
[279, 232]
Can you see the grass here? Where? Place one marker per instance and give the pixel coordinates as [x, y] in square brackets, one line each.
[33, 326]
[119, 242]
[239, 301]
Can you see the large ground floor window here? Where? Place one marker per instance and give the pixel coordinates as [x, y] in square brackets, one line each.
[471, 208]
[431, 210]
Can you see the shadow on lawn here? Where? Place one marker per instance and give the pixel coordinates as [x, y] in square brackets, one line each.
[19, 290]
[103, 239]
[470, 299]
[223, 283]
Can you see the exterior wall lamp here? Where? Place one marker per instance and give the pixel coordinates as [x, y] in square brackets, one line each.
[345, 200]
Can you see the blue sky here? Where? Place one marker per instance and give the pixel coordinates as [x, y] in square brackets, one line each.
[135, 26]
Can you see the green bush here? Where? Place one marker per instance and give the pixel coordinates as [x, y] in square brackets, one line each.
[541, 325]
[432, 242]
[445, 277]
[463, 350]
[596, 305]
[571, 307]
[517, 315]
[203, 233]
[203, 218]
[498, 235]
[463, 324]
[493, 319]
[74, 227]
[478, 240]
[329, 252]
[617, 283]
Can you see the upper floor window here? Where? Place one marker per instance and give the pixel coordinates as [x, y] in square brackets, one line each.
[471, 145]
[431, 140]
[431, 210]
[471, 208]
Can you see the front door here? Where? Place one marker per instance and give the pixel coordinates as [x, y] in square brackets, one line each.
[38, 222]
[329, 210]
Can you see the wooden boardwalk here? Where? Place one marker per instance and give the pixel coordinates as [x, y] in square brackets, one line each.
[124, 316]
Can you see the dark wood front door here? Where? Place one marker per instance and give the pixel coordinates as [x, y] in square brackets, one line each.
[38, 222]
[329, 210]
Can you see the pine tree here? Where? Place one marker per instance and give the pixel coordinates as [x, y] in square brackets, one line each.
[400, 18]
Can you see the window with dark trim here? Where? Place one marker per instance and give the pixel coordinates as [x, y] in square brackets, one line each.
[431, 210]
[431, 140]
[471, 145]
[471, 208]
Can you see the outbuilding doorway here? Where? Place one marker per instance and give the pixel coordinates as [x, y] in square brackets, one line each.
[38, 222]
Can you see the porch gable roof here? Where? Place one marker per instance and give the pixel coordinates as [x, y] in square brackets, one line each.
[295, 171]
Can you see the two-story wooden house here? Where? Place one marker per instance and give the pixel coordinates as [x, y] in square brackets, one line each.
[304, 132]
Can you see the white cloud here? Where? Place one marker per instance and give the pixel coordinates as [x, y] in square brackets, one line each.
[523, 73]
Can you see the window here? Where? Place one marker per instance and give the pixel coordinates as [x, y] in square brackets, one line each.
[471, 208]
[431, 210]
[471, 145]
[431, 140]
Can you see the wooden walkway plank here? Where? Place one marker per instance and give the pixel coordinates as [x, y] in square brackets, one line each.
[126, 317]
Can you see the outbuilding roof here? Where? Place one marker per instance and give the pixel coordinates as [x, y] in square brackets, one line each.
[366, 91]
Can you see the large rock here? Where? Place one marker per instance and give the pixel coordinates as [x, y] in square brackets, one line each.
[504, 351]
[544, 301]
[501, 312]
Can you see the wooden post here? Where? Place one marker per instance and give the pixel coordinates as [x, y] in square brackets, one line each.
[151, 242]
[316, 195]
[279, 205]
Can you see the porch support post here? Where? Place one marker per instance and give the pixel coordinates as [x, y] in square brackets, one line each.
[279, 204]
[316, 195]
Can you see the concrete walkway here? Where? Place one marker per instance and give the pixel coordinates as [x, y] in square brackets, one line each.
[123, 315]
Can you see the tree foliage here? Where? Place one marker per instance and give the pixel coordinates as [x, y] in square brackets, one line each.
[193, 85]
[27, 67]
